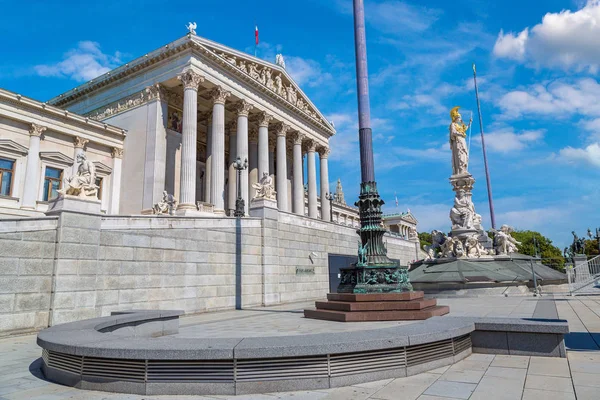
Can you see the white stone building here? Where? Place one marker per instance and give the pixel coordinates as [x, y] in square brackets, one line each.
[189, 109]
[401, 224]
[38, 146]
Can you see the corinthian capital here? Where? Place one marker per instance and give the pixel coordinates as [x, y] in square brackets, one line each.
[311, 146]
[243, 108]
[281, 129]
[219, 95]
[36, 130]
[190, 79]
[117, 153]
[297, 137]
[264, 119]
[80, 142]
[323, 151]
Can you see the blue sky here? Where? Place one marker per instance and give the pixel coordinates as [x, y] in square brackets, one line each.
[537, 63]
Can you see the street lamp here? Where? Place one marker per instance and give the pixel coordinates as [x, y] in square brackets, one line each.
[330, 197]
[240, 204]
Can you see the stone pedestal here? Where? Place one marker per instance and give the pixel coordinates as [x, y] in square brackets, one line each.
[346, 307]
[74, 204]
[264, 208]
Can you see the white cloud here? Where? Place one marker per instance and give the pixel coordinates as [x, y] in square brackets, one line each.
[588, 155]
[567, 39]
[304, 71]
[83, 63]
[511, 46]
[559, 99]
[507, 140]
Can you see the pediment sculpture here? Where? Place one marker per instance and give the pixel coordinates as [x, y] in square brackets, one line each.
[83, 183]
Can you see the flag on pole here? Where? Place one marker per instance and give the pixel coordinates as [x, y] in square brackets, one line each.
[256, 34]
[396, 199]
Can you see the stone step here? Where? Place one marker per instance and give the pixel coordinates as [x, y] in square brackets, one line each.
[364, 316]
[376, 305]
[354, 297]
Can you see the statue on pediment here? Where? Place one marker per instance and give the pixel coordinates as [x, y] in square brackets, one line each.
[242, 66]
[291, 94]
[300, 103]
[83, 183]
[191, 27]
[263, 76]
[279, 60]
[253, 71]
[269, 83]
[279, 85]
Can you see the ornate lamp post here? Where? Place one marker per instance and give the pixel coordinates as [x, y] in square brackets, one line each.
[330, 197]
[374, 272]
[240, 204]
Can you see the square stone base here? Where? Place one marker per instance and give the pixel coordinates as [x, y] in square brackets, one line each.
[74, 204]
[264, 208]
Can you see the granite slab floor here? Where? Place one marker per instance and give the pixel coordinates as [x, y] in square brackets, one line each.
[479, 376]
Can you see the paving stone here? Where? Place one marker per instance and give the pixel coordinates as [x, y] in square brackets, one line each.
[455, 390]
[507, 373]
[510, 361]
[586, 393]
[551, 383]
[585, 379]
[588, 367]
[411, 387]
[536, 394]
[466, 376]
[549, 366]
[495, 388]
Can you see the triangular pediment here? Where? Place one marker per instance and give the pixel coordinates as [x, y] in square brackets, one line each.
[10, 146]
[55, 156]
[102, 168]
[271, 77]
[410, 218]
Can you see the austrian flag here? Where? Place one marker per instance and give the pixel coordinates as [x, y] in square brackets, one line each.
[256, 34]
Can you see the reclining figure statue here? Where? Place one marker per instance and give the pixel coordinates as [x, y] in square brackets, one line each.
[82, 184]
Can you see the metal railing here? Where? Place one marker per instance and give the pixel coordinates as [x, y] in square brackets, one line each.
[584, 277]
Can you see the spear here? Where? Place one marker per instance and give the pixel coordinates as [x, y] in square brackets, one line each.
[487, 172]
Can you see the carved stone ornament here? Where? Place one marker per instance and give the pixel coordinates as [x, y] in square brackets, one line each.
[243, 108]
[297, 137]
[311, 145]
[157, 92]
[150, 93]
[116, 152]
[219, 95]
[36, 130]
[265, 188]
[79, 142]
[281, 129]
[190, 79]
[323, 151]
[264, 119]
[166, 205]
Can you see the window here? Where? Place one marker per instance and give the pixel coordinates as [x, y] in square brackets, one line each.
[52, 182]
[7, 169]
[99, 182]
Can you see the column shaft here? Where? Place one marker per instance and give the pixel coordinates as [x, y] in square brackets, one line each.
[232, 184]
[298, 192]
[32, 174]
[263, 151]
[191, 81]
[253, 165]
[208, 162]
[325, 209]
[242, 153]
[282, 201]
[115, 181]
[312, 183]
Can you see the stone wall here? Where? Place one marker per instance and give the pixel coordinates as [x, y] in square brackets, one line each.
[76, 266]
[27, 250]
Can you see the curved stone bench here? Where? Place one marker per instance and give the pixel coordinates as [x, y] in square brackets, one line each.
[130, 353]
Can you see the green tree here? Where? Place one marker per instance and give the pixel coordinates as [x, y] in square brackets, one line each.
[591, 248]
[551, 255]
[425, 239]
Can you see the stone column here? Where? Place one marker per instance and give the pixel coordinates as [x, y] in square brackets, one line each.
[263, 143]
[298, 192]
[325, 210]
[208, 161]
[32, 174]
[79, 144]
[191, 80]
[312, 180]
[232, 175]
[115, 181]
[217, 179]
[243, 109]
[272, 144]
[282, 201]
[252, 162]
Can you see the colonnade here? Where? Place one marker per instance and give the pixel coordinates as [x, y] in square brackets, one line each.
[263, 154]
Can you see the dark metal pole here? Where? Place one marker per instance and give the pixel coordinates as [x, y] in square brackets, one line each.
[487, 172]
[367, 168]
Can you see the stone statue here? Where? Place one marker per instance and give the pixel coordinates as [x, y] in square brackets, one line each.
[447, 249]
[191, 27]
[82, 184]
[265, 188]
[279, 85]
[292, 96]
[463, 213]
[413, 236]
[242, 66]
[253, 71]
[474, 247]
[269, 83]
[437, 238]
[459, 249]
[166, 205]
[578, 246]
[263, 76]
[504, 243]
[280, 61]
[458, 143]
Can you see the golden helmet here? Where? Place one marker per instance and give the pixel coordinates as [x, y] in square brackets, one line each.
[454, 113]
